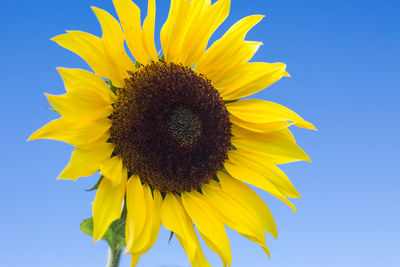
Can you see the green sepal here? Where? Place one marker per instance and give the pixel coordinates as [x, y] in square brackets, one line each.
[114, 236]
[96, 186]
[224, 170]
[230, 101]
[53, 109]
[170, 237]
[137, 64]
[112, 87]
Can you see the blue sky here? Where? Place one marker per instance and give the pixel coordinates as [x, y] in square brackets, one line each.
[344, 60]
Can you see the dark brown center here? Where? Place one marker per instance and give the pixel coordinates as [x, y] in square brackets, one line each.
[170, 127]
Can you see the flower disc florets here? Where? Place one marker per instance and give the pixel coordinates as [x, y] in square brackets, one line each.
[170, 127]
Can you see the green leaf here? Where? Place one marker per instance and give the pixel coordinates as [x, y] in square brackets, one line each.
[96, 185]
[87, 226]
[114, 236]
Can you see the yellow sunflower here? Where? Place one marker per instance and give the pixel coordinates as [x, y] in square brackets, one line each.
[170, 135]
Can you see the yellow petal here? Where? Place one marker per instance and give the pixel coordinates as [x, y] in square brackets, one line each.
[174, 30]
[204, 20]
[137, 211]
[85, 162]
[113, 39]
[209, 223]
[229, 52]
[129, 15]
[249, 198]
[81, 105]
[91, 49]
[74, 133]
[264, 167]
[239, 126]
[223, 76]
[107, 206]
[279, 147]
[251, 78]
[175, 218]
[245, 174]
[151, 228]
[199, 258]
[261, 111]
[135, 259]
[78, 79]
[148, 31]
[235, 214]
[113, 169]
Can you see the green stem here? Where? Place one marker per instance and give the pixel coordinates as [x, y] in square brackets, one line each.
[114, 256]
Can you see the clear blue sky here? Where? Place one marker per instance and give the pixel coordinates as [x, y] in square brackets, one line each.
[344, 59]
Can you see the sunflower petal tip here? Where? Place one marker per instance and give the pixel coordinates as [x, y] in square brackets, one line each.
[258, 17]
[34, 136]
[312, 127]
[63, 177]
[308, 125]
[305, 157]
[95, 238]
[56, 37]
[265, 248]
[63, 71]
[97, 11]
[286, 74]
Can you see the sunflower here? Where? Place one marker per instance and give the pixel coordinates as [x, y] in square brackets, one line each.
[171, 136]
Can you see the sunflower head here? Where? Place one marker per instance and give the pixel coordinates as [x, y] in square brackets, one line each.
[170, 127]
[172, 136]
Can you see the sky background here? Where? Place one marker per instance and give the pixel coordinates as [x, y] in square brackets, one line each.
[344, 60]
